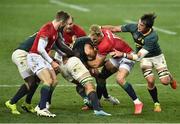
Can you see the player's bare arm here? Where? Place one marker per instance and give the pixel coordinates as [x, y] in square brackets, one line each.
[112, 28]
[98, 62]
[135, 57]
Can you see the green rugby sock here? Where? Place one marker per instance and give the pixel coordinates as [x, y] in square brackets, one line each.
[44, 96]
[129, 90]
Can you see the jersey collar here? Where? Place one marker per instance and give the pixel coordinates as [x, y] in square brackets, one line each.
[147, 32]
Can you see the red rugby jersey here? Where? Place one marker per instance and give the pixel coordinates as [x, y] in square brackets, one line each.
[110, 42]
[47, 31]
[76, 30]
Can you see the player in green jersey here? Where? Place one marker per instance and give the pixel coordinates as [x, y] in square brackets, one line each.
[148, 52]
[83, 49]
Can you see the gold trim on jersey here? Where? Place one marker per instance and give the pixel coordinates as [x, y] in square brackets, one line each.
[138, 45]
[148, 32]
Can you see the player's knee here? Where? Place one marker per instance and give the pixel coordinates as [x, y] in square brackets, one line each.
[89, 87]
[151, 85]
[165, 80]
[54, 82]
[164, 76]
[120, 80]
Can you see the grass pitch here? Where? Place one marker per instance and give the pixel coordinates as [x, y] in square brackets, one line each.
[19, 19]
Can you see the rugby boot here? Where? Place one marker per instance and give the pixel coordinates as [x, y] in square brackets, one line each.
[12, 107]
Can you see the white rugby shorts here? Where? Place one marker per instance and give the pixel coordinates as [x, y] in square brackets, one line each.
[19, 57]
[36, 63]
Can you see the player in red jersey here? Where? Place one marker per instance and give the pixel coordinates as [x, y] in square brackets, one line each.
[72, 31]
[106, 42]
[41, 63]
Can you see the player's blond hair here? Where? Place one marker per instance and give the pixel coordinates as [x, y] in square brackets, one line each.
[95, 30]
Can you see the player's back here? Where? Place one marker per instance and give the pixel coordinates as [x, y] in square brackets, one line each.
[111, 42]
[78, 48]
[27, 44]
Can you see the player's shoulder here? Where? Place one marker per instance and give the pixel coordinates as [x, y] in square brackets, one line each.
[104, 30]
[81, 41]
[47, 26]
[105, 44]
[77, 28]
[152, 36]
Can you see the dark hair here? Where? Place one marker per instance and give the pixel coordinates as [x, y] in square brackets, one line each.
[148, 19]
[62, 16]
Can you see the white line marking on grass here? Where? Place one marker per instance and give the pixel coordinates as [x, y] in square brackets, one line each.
[76, 7]
[71, 85]
[156, 28]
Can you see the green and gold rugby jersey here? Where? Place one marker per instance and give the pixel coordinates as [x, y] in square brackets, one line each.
[27, 44]
[78, 48]
[149, 42]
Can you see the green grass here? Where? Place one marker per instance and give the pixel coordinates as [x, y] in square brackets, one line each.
[20, 19]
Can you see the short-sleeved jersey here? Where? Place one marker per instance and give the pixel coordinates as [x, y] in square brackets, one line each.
[148, 42]
[76, 30]
[111, 42]
[48, 32]
[27, 44]
[78, 48]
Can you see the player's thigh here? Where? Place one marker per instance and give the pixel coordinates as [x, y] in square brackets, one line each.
[40, 67]
[121, 75]
[159, 62]
[53, 76]
[19, 57]
[146, 63]
[126, 64]
[63, 68]
[111, 65]
[37, 63]
[77, 70]
[45, 76]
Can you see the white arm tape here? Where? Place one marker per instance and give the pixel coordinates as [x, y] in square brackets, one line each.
[41, 49]
[142, 52]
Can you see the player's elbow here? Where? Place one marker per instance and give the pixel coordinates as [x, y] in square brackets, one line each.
[40, 50]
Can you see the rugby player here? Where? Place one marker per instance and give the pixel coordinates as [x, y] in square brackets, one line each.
[148, 52]
[31, 81]
[73, 70]
[41, 63]
[106, 42]
[70, 32]
[19, 57]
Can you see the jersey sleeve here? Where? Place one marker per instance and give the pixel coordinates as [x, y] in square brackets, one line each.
[128, 27]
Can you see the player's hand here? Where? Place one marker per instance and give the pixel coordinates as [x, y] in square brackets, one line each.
[116, 54]
[55, 65]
